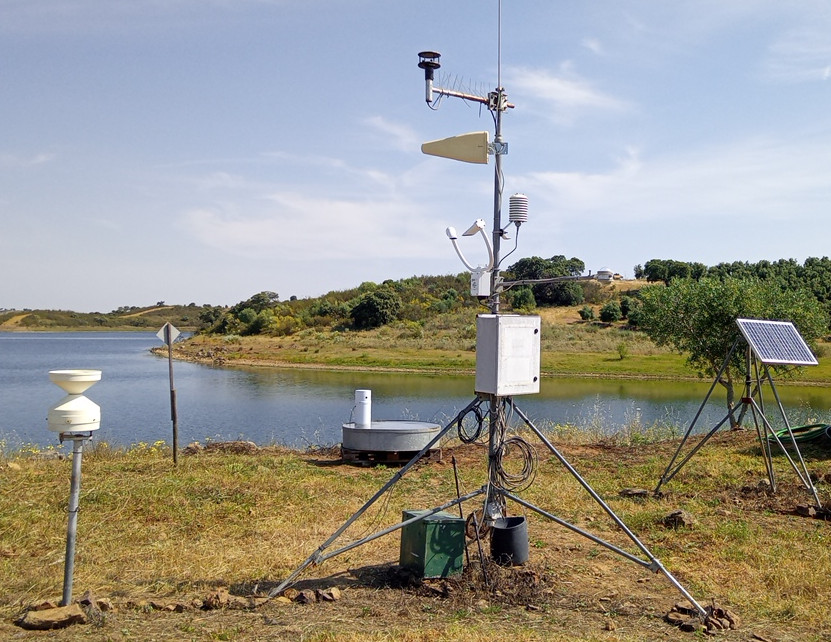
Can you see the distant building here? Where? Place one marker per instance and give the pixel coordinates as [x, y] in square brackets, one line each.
[604, 274]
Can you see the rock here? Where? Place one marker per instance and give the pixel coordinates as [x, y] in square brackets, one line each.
[684, 608]
[104, 605]
[693, 625]
[721, 619]
[86, 599]
[282, 599]
[806, 511]
[44, 606]
[56, 618]
[13, 465]
[679, 519]
[328, 595]
[634, 492]
[216, 600]
[193, 448]
[291, 593]
[305, 597]
[222, 599]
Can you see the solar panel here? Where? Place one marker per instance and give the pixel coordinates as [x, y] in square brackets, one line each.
[776, 342]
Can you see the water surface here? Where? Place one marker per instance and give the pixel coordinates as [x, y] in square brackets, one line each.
[300, 407]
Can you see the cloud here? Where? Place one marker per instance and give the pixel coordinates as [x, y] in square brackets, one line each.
[396, 135]
[593, 45]
[13, 161]
[565, 92]
[734, 184]
[800, 55]
[294, 226]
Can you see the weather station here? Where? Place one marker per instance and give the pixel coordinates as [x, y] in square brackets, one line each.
[74, 418]
[507, 365]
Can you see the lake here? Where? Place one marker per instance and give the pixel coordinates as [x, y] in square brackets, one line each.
[300, 407]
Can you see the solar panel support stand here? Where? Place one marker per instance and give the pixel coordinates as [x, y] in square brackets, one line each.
[752, 400]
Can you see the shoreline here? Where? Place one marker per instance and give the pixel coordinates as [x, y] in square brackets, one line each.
[225, 362]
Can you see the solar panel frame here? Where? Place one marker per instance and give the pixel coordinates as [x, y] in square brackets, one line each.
[776, 342]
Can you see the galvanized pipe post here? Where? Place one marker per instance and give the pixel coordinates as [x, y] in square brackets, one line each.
[72, 523]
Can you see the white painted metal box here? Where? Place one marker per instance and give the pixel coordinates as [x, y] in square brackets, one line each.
[507, 354]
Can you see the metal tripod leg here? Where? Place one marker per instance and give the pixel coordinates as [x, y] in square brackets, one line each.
[669, 473]
[654, 564]
[804, 475]
[318, 556]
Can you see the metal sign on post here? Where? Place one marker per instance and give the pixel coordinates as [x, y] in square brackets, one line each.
[168, 335]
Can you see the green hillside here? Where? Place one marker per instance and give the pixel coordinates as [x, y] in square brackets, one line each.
[184, 317]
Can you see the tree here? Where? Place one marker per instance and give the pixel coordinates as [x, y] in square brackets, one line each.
[668, 269]
[655, 270]
[627, 304]
[209, 315]
[698, 318]
[563, 293]
[259, 302]
[375, 309]
[570, 267]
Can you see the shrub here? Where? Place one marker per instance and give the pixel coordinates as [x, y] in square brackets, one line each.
[622, 350]
[611, 312]
[522, 298]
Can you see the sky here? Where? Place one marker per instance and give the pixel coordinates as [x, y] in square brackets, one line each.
[201, 151]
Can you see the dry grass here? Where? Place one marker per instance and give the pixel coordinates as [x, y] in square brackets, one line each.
[243, 520]
[569, 347]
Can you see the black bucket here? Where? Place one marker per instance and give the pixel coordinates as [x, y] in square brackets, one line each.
[509, 541]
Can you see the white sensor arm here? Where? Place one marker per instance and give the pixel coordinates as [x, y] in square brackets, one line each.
[451, 234]
[489, 267]
[478, 226]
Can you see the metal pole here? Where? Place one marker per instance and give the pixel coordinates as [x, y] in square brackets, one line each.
[495, 418]
[173, 414]
[72, 524]
[497, 197]
[458, 495]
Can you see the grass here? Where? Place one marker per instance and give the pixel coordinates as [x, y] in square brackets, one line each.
[569, 347]
[150, 534]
